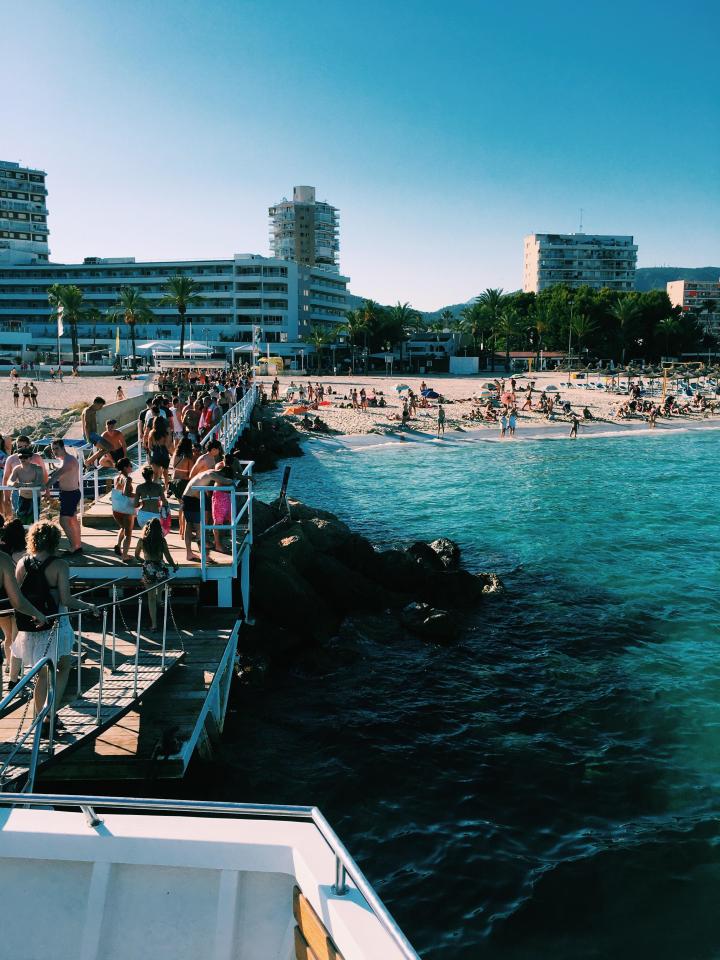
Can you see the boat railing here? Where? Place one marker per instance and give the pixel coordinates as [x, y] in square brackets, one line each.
[345, 866]
[33, 732]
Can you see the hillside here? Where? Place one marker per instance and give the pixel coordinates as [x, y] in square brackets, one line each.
[656, 278]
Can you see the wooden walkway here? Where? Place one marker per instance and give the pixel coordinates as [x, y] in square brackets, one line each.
[151, 732]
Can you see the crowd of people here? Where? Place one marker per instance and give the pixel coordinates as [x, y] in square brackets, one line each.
[35, 593]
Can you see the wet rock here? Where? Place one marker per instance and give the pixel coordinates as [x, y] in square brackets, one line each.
[491, 583]
[425, 556]
[430, 623]
[447, 551]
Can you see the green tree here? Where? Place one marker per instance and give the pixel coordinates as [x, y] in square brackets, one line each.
[508, 328]
[447, 318]
[492, 300]
[625, 312]
[583, 327]
[474, 323]
[182, 292]
[354, 326]
[133, 309]
[668, 328]
[320, 336]
[400, 321]
[70, 298]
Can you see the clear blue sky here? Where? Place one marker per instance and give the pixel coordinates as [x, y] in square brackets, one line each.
[444, 131]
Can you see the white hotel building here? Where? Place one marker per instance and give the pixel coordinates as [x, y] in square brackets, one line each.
[579, 259]
[280, 297]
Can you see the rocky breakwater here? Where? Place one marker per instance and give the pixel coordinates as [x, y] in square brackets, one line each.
[269, 438]
[310, 571]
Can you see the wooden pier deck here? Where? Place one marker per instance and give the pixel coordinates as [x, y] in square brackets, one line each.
[151, 731]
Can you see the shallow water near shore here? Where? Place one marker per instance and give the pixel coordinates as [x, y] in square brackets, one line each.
[547, 787]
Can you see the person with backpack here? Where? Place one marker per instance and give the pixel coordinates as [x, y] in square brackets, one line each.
[45, 583]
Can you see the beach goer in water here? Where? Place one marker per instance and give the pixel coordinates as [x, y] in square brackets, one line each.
[574, 427]
[512, 421]
[405, 413]
[503, 422]
[45, 582]
[122, 500]
[152, 550]
[441, 421]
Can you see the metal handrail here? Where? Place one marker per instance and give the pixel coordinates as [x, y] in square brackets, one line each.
[345, 864]
[233, 420]
[36, 726]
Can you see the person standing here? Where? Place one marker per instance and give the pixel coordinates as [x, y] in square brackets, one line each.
[512, 421]
[45, 581]
[122, 499]
[574, 427]
[33, 394]
[90, 430]
[67, 477]
[441, 421]
[503, 423]
[27, 477]
[11, 504]
[16, 395]
[26, 394]
[152, 550]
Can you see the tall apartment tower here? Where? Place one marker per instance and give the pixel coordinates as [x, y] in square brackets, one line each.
[23, 214]
[305, 230]
[579, 259]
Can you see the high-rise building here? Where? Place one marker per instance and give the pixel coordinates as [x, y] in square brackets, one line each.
[701, 297]
[23, 214]
[280, 298]
[305, 230]
[579, 259]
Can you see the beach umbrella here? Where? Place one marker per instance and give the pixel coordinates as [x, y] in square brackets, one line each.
[431, 395]
[402, 386]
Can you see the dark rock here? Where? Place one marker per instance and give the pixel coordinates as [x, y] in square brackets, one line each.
[447, 551]
[398, 570]
[429, 622]
[264, 517]
[424, 555]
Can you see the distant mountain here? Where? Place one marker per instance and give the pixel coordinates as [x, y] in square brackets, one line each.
[646, 278]
[656, 278]
[353, 303]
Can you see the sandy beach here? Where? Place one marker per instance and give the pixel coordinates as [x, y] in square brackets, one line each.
[461, 395]
[54, 398]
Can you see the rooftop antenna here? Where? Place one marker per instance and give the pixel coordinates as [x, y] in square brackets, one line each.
[581, 216]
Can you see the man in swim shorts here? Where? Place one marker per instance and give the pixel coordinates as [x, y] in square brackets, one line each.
[67, 477]
[90, 430]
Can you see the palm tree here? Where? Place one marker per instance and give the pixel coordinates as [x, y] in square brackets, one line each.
[492, 300]
[354, 324]
[320, 335]
[70, 298]
[508, 327]
[182, 292]
[540, 324]
[582, 326]
[625, 312]
[133, 308]
[446, 318]
[402, 319]
[668, 327]
[474, 323]
[370, 312]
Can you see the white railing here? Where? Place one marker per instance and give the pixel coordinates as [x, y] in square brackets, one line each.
[36, 494]
[232, 423]
[240, 526]
[35, 728]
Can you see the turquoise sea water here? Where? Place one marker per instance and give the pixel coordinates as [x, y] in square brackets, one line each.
[549, 786]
